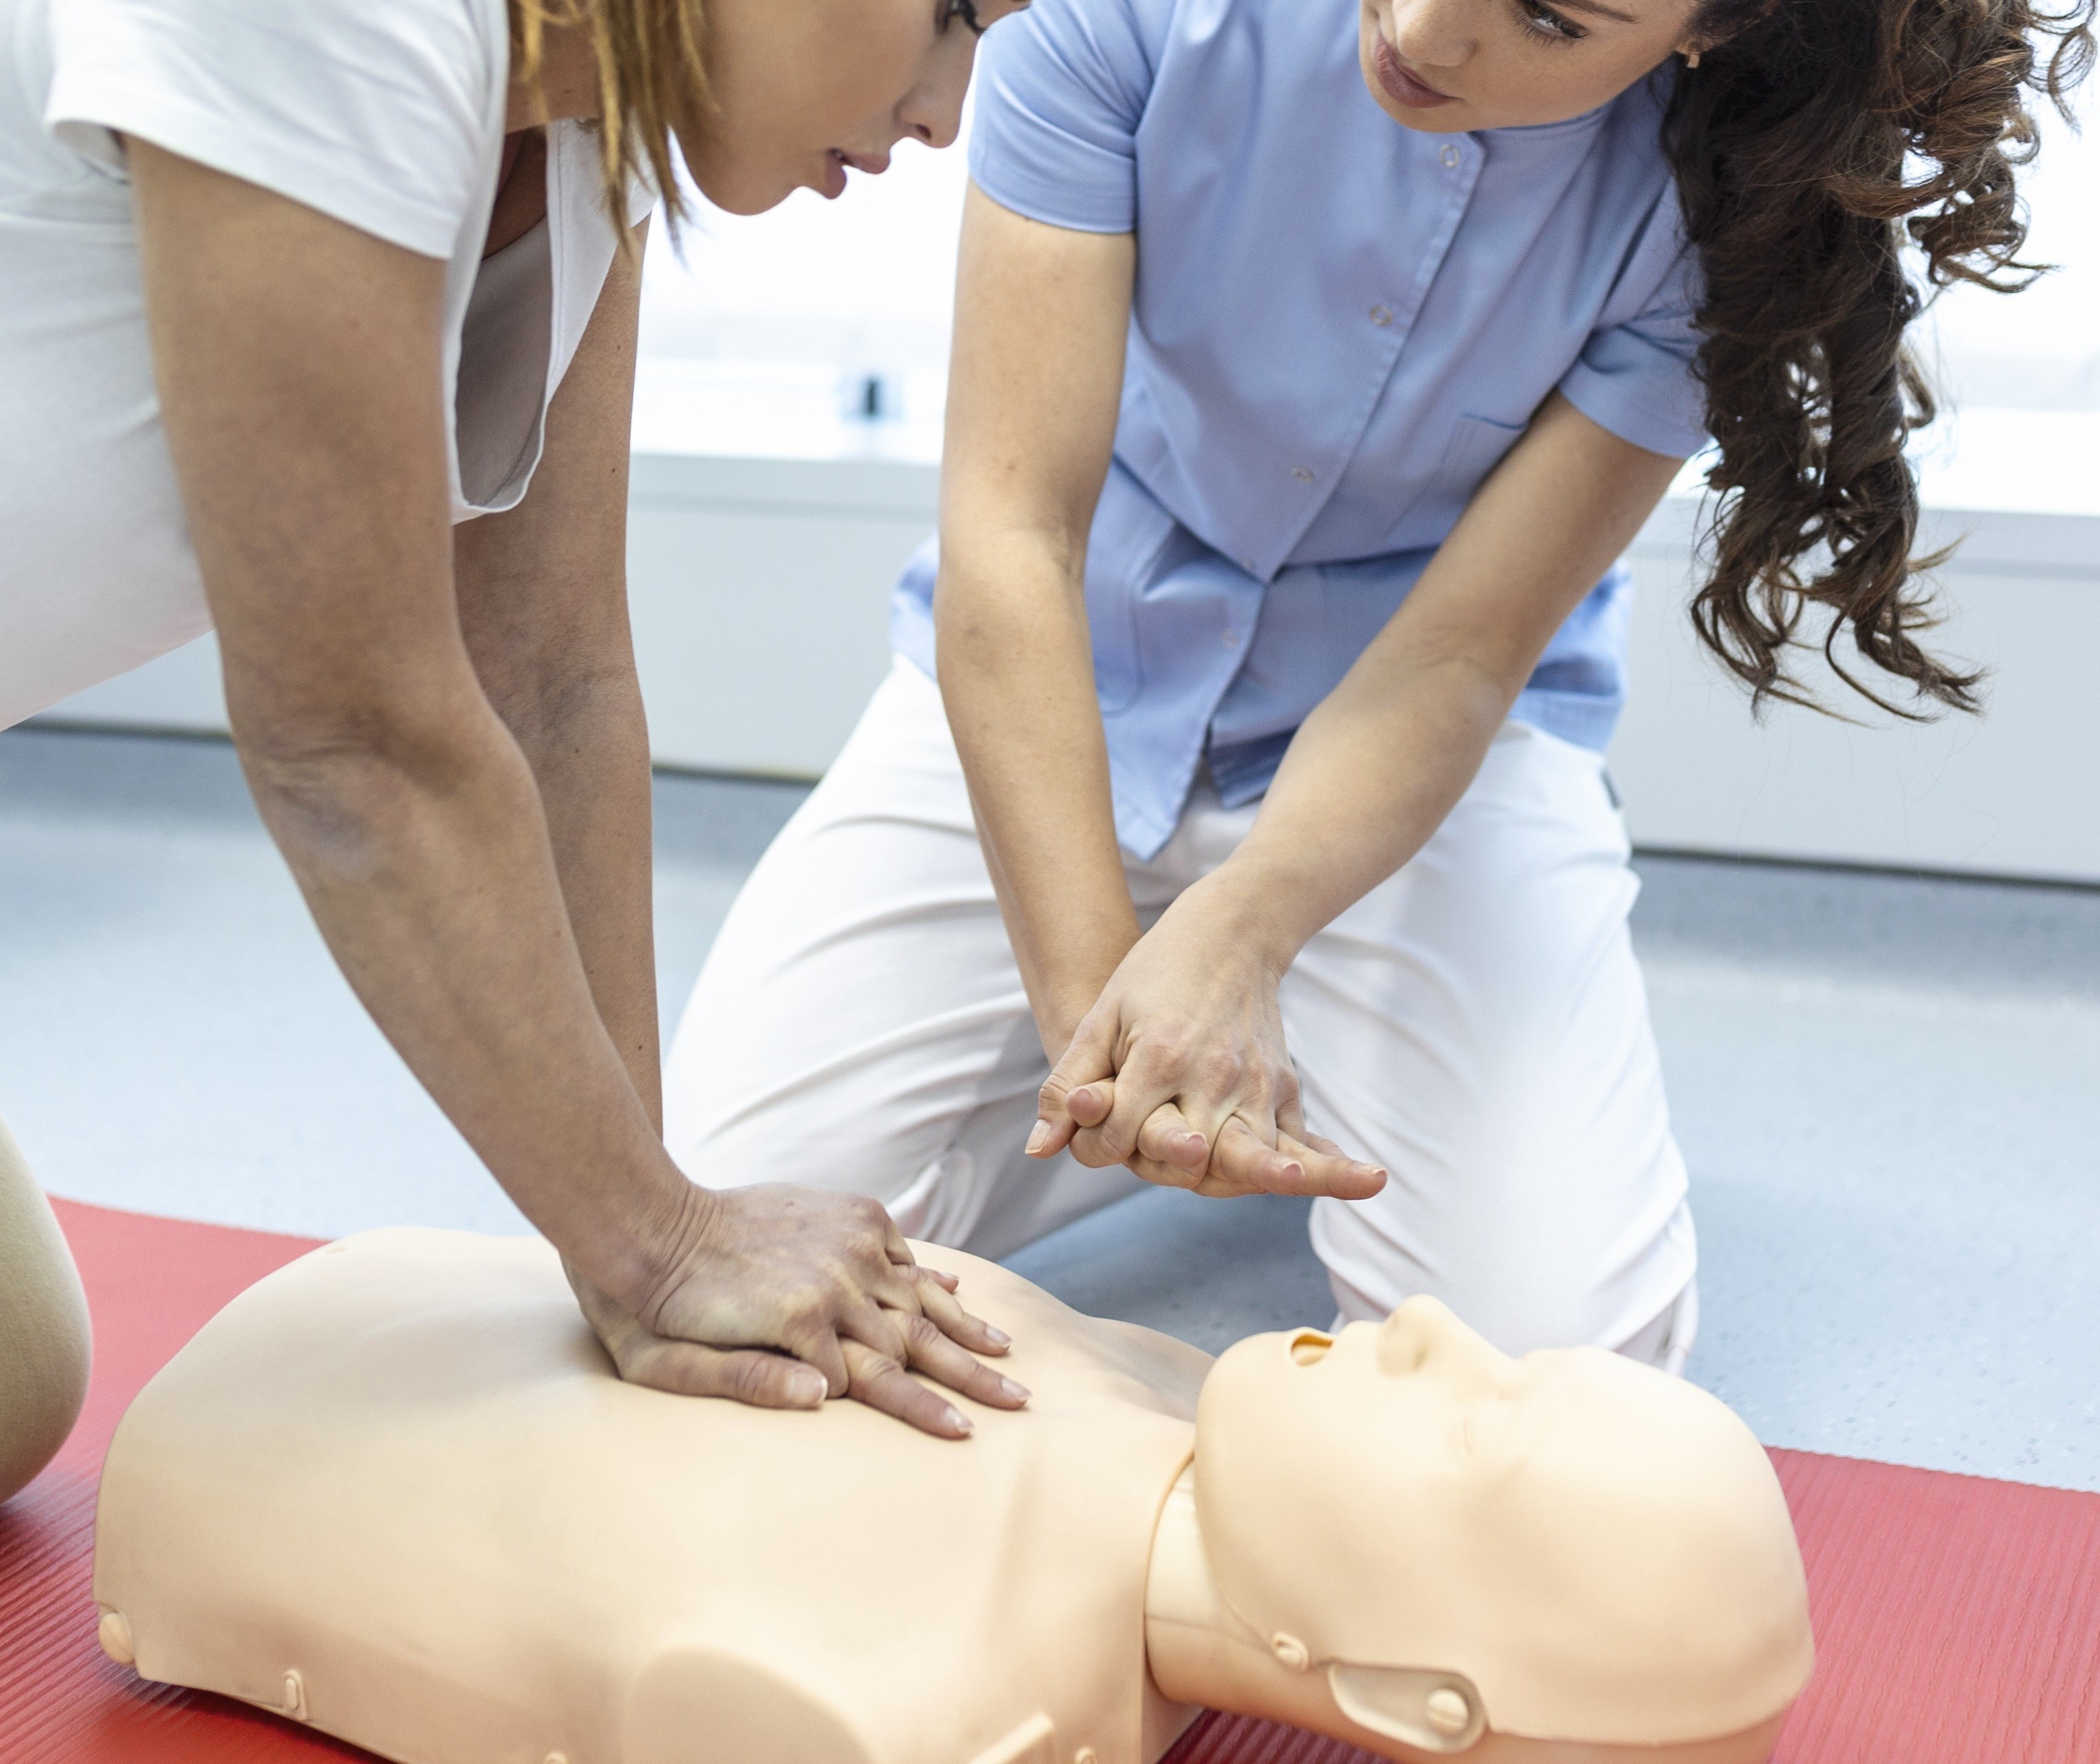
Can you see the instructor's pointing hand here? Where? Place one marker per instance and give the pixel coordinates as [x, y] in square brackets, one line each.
[780, 1297]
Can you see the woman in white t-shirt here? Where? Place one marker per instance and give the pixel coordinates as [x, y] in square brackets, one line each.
[317, 325]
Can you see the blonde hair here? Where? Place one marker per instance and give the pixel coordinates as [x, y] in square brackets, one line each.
[652, 84]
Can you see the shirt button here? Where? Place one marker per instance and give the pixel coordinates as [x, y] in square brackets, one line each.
[1448, 154]
[1301, 474]
[1230, 636]
[1247, 564]
[1381, 315]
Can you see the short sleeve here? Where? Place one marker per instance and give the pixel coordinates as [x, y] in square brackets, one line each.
[1635, 376]
[377, 113]
[1061, 88]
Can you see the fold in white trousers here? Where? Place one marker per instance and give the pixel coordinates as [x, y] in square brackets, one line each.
[1476, 1025]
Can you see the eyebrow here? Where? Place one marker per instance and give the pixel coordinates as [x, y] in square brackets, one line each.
[1598, 6]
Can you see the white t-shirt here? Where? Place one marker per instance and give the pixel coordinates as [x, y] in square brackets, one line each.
[386, 114]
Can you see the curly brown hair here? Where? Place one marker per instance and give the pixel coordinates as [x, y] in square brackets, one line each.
[1817, 144]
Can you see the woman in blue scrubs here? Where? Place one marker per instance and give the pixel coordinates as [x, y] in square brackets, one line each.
[1315, 360]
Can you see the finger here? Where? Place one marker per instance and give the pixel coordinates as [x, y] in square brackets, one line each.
[1331, 1170]
[1169, 1175]
[1242, 1162]
[743, 1375]
[883, 1384]
[948, 1281]
[862, 1320]
[1093, 1103]
[1086, 1062]
[1140, 1087]
[938, 1304]
[1166, 1138]
[894, 1244]
[934, 1354]
[816, 1344]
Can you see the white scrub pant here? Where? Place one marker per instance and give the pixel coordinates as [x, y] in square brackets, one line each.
[1476, 1025]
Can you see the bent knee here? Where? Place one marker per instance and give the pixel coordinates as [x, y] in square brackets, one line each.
[45, 1344]
[45, 1359]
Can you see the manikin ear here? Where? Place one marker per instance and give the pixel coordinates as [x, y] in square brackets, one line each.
[1430, 1710]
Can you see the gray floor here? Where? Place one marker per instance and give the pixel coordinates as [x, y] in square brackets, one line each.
[1886, 1086]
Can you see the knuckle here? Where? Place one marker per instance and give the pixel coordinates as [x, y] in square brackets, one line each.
[1165, 1053]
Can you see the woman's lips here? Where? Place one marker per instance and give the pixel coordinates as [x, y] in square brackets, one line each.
[1401, 86]
[838, 160]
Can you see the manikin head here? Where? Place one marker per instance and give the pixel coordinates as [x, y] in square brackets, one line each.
[1565, 1548]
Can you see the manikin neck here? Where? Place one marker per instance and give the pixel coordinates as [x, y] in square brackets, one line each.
[1200, 1652]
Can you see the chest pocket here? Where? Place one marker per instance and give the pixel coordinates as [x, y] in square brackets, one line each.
[1475, 448]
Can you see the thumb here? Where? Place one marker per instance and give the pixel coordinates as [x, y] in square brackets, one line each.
[1076, 1094]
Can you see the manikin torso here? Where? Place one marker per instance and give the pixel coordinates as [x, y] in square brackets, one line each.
[400, 1471]
[394, 1491]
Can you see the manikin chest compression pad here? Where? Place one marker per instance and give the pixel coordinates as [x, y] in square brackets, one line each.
[1957, 1620]
[396, 1491]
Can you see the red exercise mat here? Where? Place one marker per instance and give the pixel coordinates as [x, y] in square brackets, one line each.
[1957, 1620]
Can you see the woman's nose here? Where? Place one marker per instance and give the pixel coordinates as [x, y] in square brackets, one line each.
[1432, 33]
[933, 110]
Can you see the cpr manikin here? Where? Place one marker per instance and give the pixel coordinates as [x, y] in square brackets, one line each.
[396, 1492]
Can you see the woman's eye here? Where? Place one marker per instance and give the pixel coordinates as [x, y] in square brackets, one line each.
[967, 11]
[1543, 22]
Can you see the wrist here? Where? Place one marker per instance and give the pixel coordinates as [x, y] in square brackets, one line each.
[643, 1258]
[1064, 1007]
[1245, 906]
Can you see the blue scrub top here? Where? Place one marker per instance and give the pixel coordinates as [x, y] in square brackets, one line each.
[1339, 329]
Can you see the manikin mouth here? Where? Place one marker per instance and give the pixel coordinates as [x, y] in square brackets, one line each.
[1402, 85]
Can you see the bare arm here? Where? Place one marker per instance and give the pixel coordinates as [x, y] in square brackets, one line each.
[1037, 372]
[1042, 314]
[1374, 770]
[542, 594]
[299, 366]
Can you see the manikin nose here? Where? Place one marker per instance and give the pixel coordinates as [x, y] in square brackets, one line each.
[1423, 1336]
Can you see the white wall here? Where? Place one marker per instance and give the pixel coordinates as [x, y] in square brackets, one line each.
[2013, 792]
[761, 594]
[760, 590]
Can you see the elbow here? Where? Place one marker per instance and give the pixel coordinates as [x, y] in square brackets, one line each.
[1006, 594]
[330, 776]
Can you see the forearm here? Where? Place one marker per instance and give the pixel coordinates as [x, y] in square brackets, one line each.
[1368, 777]
[424, 854]
[1377, 766]
[1018, 678]
[588, 746]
